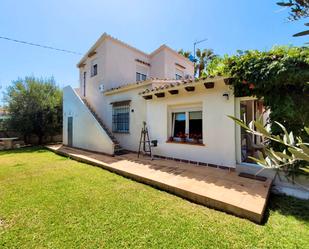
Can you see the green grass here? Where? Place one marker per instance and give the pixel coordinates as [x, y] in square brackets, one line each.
[48, 201]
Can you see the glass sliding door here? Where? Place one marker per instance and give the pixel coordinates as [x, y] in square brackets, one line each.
[251, 145]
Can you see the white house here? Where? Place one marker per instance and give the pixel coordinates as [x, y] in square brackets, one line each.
[121, 86]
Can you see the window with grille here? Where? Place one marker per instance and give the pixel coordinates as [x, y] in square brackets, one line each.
[121, 118]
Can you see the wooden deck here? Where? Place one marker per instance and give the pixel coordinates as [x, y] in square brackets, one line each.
[216, 188]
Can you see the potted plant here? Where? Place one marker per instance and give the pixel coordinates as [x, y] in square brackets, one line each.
[196, 138]
[182, 136]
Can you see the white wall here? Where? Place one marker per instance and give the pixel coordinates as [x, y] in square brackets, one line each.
[170, 67]
[157, 69]
[218, 129]
[120, 68]
[87, 132]
[163, 64]
[129, 141]
[117, 67]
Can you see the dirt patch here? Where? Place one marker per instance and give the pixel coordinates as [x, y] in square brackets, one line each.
[3, 224]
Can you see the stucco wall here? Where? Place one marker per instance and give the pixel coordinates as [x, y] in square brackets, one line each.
[117, 66]
[157, 69]
[121, 66]
[163, 65]
[87, 132]
[218, 129]
[129, 141]
[170, 66]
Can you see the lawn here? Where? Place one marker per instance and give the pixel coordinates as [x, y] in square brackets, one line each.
[49, 201]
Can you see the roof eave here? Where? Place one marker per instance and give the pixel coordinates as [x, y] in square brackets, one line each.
[127, 87]
[182, 84]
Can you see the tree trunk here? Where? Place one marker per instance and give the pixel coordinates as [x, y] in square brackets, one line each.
[25, 139]
[40, 139]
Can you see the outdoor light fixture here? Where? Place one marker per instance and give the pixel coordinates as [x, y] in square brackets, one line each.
[226, 95]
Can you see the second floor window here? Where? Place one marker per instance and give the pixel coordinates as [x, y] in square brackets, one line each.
[178, 77]
[178, 74]
[140, 76]
[94, 70]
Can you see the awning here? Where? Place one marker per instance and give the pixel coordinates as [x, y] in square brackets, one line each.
[121, 103]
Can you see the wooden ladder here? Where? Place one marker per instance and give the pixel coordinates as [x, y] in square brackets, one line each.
[144, 142]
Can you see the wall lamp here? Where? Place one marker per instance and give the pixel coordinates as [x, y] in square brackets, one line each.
[226, 95]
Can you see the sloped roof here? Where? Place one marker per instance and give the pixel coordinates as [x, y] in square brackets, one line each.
[158, 85]
[181, 83]
[107, 36]
[137, 84]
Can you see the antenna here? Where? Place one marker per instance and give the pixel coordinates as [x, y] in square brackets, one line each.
[194, 44]
[197, 42]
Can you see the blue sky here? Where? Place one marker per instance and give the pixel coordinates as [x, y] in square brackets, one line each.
[75, 25]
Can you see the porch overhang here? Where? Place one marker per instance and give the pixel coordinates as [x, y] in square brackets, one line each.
[189, 85]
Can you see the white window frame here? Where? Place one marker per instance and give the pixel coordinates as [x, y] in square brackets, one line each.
[179, 74]
[186, 110]
[93, 63]
[140, 76]
[178, 77]
[115, 122]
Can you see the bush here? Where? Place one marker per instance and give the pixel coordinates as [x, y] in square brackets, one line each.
[279, 76]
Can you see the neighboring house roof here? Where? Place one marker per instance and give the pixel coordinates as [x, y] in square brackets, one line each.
[106, 36]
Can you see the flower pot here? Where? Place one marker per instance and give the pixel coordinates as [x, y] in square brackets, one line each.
[196, 141]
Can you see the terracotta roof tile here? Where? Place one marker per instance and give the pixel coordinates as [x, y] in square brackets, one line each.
[178, 83]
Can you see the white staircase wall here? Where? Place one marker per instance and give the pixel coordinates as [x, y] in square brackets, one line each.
[87, 132]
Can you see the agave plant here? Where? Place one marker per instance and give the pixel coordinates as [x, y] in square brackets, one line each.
[295, 149]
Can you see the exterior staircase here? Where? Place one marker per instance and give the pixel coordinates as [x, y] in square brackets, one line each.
[118, 150]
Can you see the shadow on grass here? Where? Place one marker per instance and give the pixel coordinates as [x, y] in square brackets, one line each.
[28, 149]
[288, 206]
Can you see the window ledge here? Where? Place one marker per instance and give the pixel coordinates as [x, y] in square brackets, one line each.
[188, 143]
[121, 132]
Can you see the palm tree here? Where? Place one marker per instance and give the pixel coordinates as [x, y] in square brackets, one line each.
[203, 58]
[184, 53]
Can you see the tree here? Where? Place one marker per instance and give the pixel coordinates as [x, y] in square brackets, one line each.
[203, 58]
[280, 77]
[184, 53]
[298, 9]
[35, 107]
